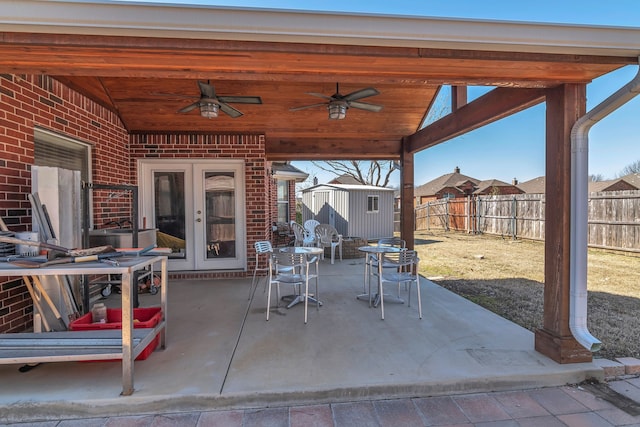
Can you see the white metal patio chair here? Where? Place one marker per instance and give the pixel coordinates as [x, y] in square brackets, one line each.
[263, 250]
[328, 237]
[296, 270]
[406, 272]
[371, 261]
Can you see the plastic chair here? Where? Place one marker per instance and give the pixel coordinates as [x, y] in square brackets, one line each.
[310, 231]
[263, 249]
[328, 237]
[298, 233]
[406, 272]
[293, 269]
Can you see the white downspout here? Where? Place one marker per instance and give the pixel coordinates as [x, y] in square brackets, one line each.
[579, 209]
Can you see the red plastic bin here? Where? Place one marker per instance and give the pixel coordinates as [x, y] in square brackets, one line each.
[142, 318]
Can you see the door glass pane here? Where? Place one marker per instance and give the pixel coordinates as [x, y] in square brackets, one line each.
[170, 211]
[220, 214]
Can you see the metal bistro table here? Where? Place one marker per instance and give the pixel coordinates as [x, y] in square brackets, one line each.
[380, 251]
[306, 250]
[68, 346]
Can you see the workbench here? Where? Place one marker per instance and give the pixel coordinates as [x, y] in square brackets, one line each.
[68, 346]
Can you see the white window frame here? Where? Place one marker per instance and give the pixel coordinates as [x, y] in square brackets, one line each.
[285, 201]
[373, 199]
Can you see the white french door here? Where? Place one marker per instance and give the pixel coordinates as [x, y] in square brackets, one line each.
[198, 209]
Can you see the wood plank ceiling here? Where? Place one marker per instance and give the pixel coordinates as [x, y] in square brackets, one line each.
[129, 74]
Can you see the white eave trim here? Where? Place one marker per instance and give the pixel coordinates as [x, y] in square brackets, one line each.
[248, 24]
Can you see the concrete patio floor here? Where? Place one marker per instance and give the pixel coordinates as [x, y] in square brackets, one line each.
[222, 354]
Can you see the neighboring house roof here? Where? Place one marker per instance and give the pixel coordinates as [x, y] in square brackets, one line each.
[537, 185]
[533, 186]
[633, 179]
[287, 172]
[348, 187]
[454, 179]
[484, 186]
[618, 184]
[345, 179]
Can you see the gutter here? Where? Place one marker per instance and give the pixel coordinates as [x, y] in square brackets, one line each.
[579, 209]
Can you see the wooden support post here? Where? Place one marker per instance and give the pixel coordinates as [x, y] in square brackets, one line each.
[407, 210]
[458, 97]
[565, 104]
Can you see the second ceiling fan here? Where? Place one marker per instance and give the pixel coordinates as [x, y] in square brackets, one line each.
[338, 104]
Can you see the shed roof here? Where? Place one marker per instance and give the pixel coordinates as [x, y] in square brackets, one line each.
[348, 187]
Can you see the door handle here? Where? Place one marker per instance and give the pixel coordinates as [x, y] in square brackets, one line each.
[198, 220]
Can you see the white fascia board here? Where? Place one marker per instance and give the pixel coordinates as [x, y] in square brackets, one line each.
[249, 24]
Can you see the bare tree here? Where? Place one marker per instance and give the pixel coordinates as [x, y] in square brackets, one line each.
[596, 177]
[630, 168]
[375, 172]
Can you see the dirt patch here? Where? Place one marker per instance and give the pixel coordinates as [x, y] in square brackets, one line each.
[507, 276]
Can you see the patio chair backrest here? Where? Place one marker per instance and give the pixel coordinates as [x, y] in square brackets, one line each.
[326, 234]
[310, 227]
[392, 241]
[298, 232]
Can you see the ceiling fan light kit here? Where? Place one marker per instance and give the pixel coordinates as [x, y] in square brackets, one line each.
[337, 110]
[208, 110]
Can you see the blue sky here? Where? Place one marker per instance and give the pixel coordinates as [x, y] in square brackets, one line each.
[512, 147]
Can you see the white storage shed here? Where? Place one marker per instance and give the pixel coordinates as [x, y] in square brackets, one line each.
[354, 210]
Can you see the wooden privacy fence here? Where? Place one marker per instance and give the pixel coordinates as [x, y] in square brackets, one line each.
[613, 217]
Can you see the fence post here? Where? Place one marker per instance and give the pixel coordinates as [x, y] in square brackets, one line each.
[446, 215]
[514, 215]
[478, 210]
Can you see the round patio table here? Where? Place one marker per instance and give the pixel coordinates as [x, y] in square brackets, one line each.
[309, 251]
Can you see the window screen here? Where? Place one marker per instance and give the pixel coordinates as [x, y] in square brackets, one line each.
[59, 151]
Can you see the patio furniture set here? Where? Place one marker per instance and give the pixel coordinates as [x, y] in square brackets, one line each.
[297, 265]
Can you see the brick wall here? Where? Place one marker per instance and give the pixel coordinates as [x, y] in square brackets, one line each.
[27, 102]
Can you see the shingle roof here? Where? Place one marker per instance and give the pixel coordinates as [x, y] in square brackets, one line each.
[344, 179]
[621, 183]
[533, 186]
[454, 179]
[537, 185]
[488, 183]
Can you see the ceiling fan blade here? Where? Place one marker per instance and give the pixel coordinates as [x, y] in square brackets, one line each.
[229, 110]
[362, 93]
[241, 99]
[207, 90]
[366, 106]
[320, 95]
[189, 107]
[307, 106]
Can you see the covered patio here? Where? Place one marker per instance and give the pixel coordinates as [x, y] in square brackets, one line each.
[221, 353]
